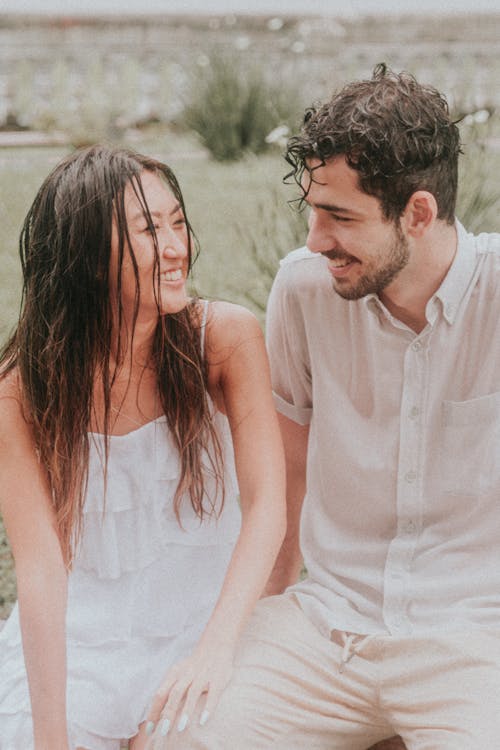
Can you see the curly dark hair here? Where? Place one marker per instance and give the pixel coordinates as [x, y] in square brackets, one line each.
[397, 133]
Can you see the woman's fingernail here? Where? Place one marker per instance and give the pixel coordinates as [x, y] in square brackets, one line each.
[204, 718]
[150, 728]
[165, 727]
[183, 722]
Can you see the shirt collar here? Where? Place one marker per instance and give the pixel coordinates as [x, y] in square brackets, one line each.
[456, 281]
[454, 285]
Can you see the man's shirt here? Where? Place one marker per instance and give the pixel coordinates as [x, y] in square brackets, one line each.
[400, 527]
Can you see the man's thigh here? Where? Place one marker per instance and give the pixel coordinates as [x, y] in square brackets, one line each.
[287, 692]
[443, 692]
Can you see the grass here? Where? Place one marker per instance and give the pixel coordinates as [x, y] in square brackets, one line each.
[22, 172]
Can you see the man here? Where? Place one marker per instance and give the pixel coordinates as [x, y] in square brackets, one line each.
[385, 355]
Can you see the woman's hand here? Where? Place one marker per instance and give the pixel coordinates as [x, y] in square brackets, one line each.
[207, 671]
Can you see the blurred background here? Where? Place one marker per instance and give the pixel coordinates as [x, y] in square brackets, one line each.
[214, 89]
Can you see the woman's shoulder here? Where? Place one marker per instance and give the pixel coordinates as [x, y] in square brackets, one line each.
[233, 338]
[11, 403]
[10, 386]
[229, 323]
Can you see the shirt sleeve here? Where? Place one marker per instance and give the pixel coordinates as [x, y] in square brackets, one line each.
[288, 351]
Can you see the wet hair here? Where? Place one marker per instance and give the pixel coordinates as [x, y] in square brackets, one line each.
[396, 133]
[61, 347]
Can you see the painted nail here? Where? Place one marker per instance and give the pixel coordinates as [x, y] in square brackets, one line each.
[150, 728]
[183, 722]
[165, 727]
[204, 718]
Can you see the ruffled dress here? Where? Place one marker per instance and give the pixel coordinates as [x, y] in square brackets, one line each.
[140, 592]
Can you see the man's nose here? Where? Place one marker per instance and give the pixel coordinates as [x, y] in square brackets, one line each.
[320, 237]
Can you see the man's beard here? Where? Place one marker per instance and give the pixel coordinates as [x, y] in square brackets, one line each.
[376, 279]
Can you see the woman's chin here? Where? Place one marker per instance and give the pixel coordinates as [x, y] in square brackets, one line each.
[172, 306]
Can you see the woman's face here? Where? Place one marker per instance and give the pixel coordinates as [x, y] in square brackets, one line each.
[168, 278]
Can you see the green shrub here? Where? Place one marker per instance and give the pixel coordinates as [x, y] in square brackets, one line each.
[233, 107]
[478, 200]
[278, 227]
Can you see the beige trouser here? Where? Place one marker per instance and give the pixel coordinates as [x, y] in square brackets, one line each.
[293, 688]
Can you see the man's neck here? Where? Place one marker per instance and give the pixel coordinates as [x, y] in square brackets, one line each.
[407, 297]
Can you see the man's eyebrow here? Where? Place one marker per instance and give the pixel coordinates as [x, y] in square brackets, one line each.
[331, 207]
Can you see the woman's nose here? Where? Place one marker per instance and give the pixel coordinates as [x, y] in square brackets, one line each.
[171, 244]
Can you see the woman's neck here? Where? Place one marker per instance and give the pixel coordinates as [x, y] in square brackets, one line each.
[133, 396]
[132, 353]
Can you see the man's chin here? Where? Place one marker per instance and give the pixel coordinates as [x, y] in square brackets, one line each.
[348, 292]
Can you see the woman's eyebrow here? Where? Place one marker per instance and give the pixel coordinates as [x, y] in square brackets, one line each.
[175, 209]
[156, 214]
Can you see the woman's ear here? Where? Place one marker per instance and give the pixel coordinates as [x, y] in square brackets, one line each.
[420, 213]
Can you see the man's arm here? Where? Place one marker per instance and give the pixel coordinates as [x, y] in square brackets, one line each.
[289, 561]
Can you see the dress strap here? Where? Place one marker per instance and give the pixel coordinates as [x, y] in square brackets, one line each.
[203, 327]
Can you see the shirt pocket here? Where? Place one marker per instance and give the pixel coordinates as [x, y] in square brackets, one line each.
[470, 447]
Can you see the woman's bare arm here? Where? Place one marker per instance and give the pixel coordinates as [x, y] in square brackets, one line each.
[40, 570]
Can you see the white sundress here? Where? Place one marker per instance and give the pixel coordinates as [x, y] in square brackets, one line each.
[139, 594]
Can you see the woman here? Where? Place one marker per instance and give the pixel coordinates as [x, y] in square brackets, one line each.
[121, 399]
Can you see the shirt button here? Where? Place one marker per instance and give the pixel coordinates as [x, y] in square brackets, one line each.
[410, 527]
[416, 346]
[414, 412]
[410, 476]
[449, 309]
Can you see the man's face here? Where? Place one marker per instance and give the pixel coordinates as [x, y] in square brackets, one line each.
[365, 253]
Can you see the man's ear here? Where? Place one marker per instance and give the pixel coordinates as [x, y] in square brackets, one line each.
[420, 213]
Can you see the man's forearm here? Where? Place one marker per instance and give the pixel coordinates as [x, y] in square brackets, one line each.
[286, 570]
[289, 562]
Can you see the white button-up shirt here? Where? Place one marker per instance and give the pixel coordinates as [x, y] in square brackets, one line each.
[400, 526]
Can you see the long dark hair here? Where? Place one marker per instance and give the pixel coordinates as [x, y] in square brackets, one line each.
[61, 346]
